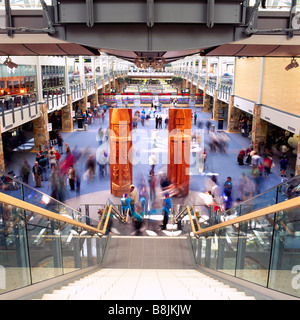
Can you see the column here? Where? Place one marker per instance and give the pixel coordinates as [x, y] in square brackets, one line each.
[120, 125]
[83, 102]
[179, 149]
[96, 93]
[297, 168]
[40, 131]
[233, 116]
[259, 128]
[2, 162]
[217, 104]
[66, 116]
[206, 101]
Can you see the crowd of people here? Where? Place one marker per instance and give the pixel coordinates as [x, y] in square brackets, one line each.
[57, 167]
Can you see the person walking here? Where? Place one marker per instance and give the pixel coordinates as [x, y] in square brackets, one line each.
[60, 143]
[167, 207]
[125, 201]
[71, 177]
[133, 196]
[25, 171]
[37, 174]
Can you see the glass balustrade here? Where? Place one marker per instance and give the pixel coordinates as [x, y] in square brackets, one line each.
[36, 248]
[284, 191]
[263, 250]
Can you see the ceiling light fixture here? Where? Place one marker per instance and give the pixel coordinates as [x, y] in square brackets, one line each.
[154, 63]
[292, 64]
[9, 63]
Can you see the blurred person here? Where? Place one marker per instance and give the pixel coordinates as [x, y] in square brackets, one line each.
[77, 184]
[152, 185]
[37, 174]
[144, 198]
[283, 161]
[102, 159]
[267, 163]
[125, 202]
[57, 157]
[60, 142]
[155, 137]
[167, 208]
[137, 219]
[68, 149]
[246, 187]
[255, 159]
[53, 183]
[99, 136]
[25, 171]
[228, 187]
[133, 197]
[208, 126]
[240, 157]
[43, 165]
[71, 177]
[152, 162]
[52, 159]
[90, 166]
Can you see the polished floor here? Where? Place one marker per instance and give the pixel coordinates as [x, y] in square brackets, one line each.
[220, 164]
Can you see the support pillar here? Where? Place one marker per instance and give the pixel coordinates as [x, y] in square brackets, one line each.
[67, 119]
[40, 131]
[96, 94]
[233, 116]
[197, 87]
[206, 101]
[259, 128]
[2, 162]
[179, 149]
[120, 125]
[83, 103]
[217, 105]
[297, 168]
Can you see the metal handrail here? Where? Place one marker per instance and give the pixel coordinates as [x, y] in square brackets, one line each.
[282, 206]
[9, 200]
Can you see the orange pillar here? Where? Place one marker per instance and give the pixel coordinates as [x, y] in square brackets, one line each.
[180, 122]
[120, 125]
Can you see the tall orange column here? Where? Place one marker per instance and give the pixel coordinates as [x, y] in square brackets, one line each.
[120, 125]
[180, 122]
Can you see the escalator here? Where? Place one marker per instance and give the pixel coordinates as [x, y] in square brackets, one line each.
[59, 249]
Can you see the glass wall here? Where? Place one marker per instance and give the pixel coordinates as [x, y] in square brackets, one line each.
[53, 76]
[264, 251]
[34, 248]
[17, 81]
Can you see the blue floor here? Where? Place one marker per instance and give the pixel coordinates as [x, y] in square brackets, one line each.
[224, 164]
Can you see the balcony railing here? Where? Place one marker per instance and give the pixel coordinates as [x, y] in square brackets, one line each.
[17, 110]
[56, 98]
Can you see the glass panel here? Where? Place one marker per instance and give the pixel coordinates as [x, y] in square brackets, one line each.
[264, 200]
[227, 249]
[44, 247]
[199, 250]
[211, 251]
[254, 249]
[285, 264]
[70, 241]
[14, 261]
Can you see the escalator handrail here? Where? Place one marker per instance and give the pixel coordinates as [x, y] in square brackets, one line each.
[41, 193]
[282, 206]
[190, 212]
[108, 210]
[14, 202]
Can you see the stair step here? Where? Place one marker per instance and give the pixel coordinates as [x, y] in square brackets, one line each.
[146, 284]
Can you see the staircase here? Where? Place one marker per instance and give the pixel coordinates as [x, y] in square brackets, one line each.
[144, 268]
[147, 284]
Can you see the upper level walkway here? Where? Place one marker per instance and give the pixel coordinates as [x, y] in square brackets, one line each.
[147, 29]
